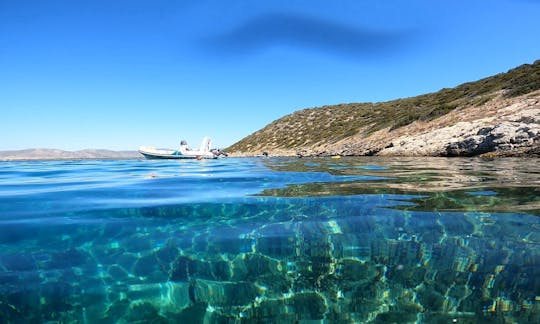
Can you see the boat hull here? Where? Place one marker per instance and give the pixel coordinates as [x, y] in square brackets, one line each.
[171, 154]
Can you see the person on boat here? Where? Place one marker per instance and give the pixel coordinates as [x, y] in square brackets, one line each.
[184, 146]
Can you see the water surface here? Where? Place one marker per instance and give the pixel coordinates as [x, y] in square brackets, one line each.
[271, 240]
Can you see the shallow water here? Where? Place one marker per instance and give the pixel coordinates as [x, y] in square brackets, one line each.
[265, 240]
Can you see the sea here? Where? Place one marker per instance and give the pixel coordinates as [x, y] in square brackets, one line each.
[270, 240]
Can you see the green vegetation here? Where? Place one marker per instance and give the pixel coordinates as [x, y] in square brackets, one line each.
[329, 124]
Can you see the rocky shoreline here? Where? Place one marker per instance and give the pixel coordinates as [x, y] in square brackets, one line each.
[500, 127]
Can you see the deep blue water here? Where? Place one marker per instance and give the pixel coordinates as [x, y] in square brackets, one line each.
[354, 240]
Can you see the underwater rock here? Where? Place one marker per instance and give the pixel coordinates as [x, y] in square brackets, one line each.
[404, 253]
[380, 251]
[55, 300]
[277, 246]
[273, 310]
[364, 224]
[525, 280]
[145, 291]
[308, 306]
[443, 256]
[126, 259]
[459, 226]
[164, 296]
[138, 243]
[408, 276]
[199, 243]
[268, 273]
[186, 268]
[11, 314]
[456, 317]
[431, 231]
[94, 295]
[21, 305]
[117, 273]
[167, 254]
[445, 278]
[144, 312]
[402, 313]
[17, 262]
[221, 317]
[259, 265]
[357, 272]
[10, 279]
[180, 270]
[117, 229]
[311, 274]
[230, 246]
[177, 296]
[217, 293]
[191, 314]
[116, 311]
[277, 239]
[69, 258]
[363, 300]
[339, 313]
[146, 265]
[352, 246]
[315, 260]
[15, 233]
[238, 268]
[229, 240]
[221, 270]
[431, 300]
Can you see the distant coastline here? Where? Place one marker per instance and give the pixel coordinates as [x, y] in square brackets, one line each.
[43, 154]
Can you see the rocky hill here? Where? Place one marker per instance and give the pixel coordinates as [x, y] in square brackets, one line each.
[54, 154]
[498, 115]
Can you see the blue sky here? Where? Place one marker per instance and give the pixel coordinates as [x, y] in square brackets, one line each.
[120, 74]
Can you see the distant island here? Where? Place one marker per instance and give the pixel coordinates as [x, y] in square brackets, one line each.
[54, 154]
[495, 116]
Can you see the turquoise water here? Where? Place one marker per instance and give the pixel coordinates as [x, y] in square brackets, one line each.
[351, 240]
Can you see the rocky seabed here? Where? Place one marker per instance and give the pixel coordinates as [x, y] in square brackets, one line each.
[297, 266]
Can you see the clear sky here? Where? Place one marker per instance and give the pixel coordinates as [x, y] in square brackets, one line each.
[118, 74]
